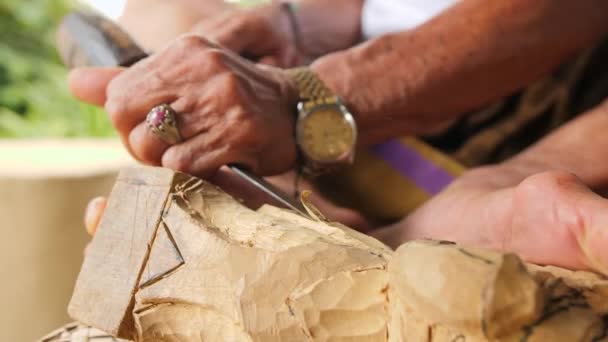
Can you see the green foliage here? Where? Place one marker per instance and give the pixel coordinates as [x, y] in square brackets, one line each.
[34, 100]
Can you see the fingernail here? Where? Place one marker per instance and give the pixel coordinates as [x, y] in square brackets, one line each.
[93, 214]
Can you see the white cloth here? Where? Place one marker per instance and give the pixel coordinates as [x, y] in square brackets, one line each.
[385, 16]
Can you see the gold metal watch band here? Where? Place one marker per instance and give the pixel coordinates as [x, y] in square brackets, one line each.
[309, 85]
[313, 93]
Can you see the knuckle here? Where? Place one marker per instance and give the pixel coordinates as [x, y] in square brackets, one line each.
[232, 85]
[177, 160]
[546, 181]
[242, 25]
[116, 107]
[214, 58]
[118, 93]
[146, 155]
[243, 132]
[189, 42]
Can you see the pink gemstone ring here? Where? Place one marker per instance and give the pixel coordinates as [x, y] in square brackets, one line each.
[161, 122]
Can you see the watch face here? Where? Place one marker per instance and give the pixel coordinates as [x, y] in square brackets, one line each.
[326, 134]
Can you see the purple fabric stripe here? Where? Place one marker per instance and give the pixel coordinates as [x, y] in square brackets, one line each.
[414, 166]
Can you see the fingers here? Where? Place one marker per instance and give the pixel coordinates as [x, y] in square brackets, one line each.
[146, 146]
[200, 156]
[132, 96]
[176, 74]
[93, 214]
[594, 245]
[90, 84]
[550, 215]
[227, 110]
[588, 224]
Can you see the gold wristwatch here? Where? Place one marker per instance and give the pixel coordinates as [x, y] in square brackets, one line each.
[326, 132]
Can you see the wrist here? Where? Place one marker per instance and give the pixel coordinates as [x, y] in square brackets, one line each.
[387, 105]
[381, 111]
[325, 27]
[275, 18]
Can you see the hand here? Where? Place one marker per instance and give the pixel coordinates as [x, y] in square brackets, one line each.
[229, 110]
[548, 218]
[263, 33]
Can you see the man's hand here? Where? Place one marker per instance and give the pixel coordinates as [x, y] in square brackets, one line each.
[542, 204]
[549, 218]
[263, 34]
[229, 110]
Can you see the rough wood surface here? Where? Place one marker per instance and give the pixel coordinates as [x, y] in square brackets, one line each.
[446, 292]
[176, 259]
[112, 269]
[174, 254]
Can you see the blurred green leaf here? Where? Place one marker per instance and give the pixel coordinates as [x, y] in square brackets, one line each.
[34, 99]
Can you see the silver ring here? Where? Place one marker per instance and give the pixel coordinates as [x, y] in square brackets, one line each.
[161, 122]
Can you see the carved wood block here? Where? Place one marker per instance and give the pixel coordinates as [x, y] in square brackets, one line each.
[177, 252]
[112, 269]
[446, 292]
[177, 259]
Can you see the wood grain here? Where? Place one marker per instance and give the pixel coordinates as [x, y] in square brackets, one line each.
[111, 271]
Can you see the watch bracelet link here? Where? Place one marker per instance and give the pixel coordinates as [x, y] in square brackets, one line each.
[309, 85]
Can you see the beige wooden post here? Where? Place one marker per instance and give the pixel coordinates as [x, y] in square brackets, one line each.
[44, 188]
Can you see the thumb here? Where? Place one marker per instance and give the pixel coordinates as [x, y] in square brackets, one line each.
[89, 84]
[93, 214]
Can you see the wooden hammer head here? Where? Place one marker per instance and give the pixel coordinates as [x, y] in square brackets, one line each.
[89, 39]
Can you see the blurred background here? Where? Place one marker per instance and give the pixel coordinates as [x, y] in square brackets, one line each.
[34, 101]
[55, 155]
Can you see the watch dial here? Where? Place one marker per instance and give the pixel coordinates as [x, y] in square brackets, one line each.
[326, 135]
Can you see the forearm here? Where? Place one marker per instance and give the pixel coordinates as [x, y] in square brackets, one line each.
[328, 26]
[208, 7]
[154, 23]
[478, 51]
[578, 147]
